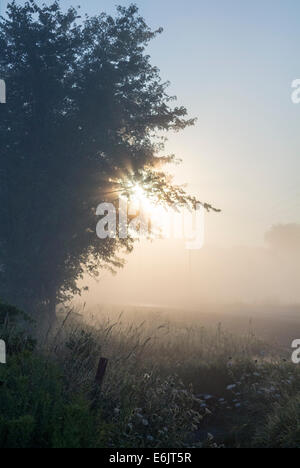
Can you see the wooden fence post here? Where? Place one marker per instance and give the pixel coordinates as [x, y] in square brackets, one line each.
[101, 371]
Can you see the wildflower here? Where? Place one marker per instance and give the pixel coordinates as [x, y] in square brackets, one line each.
[145, 422]
[150, 438]
[117, 411]
[197, 400]
[231, 387]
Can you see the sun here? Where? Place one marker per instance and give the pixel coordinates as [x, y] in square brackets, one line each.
[140, 201]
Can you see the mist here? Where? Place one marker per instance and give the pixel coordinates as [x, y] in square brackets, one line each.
[164, 273]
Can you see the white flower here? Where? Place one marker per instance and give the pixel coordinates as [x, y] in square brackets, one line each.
[145, 422]
[231, 387]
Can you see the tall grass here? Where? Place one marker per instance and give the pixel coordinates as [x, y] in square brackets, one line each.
[168, 384]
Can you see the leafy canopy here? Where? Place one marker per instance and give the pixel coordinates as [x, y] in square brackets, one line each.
[83, 113]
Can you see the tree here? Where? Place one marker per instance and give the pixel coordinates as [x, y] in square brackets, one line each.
[284, 238]
[83, 107]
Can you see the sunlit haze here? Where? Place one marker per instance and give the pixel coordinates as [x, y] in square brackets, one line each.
[231, 64]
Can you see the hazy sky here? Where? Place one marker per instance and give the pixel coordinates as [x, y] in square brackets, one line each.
[231, 62]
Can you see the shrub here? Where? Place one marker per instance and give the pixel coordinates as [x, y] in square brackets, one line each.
[36, 411]
[282, 426]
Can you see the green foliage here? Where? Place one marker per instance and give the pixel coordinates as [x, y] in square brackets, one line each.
[165, 412]
[14, 325]
[282, 426]
[11, 314]
[37, 409]
[37, 412]
[155, 392]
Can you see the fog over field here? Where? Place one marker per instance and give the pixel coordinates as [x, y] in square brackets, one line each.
[165, 273]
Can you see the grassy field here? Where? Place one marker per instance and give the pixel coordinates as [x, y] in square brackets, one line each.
[169, 383]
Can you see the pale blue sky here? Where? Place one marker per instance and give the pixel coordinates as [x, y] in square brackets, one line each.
[231, 62]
